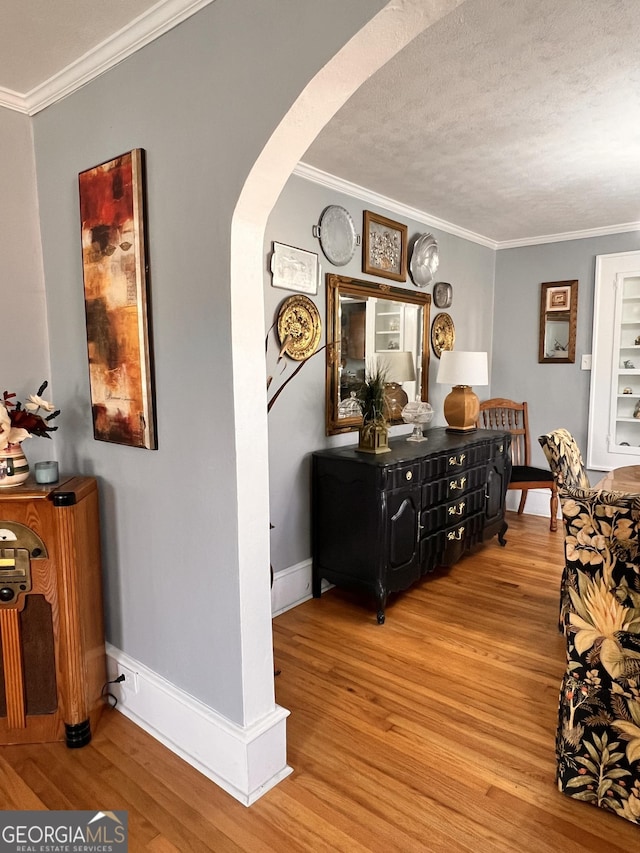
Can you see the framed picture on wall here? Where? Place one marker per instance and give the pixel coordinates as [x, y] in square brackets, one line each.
[115, 272]
[294, 269]
[558, 322]
[559, 297]
[384, 247]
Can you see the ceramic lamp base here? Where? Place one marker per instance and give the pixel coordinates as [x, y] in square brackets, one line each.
[461, 409]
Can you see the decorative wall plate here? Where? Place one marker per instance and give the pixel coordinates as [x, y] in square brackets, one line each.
[299, 327]
[424, 260]
[443, 334]
[337, 234]
[442, 294]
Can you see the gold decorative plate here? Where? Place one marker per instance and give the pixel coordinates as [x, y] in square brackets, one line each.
[299, 327]
[443, 333]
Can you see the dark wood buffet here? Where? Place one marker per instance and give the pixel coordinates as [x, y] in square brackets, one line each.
[382, 521]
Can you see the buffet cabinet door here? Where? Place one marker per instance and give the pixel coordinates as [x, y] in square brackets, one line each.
[403, 517]
[498, 476]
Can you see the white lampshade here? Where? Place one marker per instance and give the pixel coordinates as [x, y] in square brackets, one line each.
[398, 366]
[463, 368]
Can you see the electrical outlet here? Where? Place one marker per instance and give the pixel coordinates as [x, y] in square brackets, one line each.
[130, 683]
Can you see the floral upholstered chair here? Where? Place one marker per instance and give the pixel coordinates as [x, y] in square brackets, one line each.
[564, 458]
[598, 738]
[565, 461]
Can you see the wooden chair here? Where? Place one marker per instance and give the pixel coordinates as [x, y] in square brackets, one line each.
[507, 415]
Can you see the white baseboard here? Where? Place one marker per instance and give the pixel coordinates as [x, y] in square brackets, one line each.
[245, 762]
[537, 502]
[292, 586]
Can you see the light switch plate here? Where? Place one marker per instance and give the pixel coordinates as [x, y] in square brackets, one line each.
[585, 364]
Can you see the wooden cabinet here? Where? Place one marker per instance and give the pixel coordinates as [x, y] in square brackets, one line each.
[382, 521]
[52, 661]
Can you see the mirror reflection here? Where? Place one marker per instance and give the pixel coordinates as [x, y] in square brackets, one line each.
[558, 315]
[373, 325]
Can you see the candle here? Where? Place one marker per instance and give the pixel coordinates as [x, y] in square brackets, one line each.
[46, 472]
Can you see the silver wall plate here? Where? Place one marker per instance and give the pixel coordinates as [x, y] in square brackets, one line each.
[442, 294]
[337, 234]
[424, 260]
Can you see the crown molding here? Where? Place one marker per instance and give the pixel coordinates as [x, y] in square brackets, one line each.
[12, 101]
[624, 228]
[144, 29]
[310, 173]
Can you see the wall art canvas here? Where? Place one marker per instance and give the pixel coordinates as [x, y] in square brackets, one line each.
[115, 275]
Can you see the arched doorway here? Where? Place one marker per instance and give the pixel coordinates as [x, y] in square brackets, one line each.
[385, 35]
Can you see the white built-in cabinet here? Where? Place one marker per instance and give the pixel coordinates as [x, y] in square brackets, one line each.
[394, 327]
[614, 404]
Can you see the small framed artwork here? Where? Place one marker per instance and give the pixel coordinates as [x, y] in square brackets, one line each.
[558, 296]
[558, 320]
[384, 247]
[116, 298]
[294, 269]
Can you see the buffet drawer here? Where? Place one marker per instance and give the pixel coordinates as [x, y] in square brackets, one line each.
[450, 488]
[443, 515]
[446, 546]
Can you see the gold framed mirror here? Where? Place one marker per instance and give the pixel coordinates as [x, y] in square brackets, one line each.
[371, 324]
[558, 319]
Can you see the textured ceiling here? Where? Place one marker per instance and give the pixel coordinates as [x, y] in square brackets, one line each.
[38, 38]
[512, 119]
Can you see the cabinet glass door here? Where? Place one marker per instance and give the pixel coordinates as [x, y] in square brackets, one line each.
[625, 382]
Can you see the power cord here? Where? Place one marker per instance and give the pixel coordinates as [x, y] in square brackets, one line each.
[110, 695]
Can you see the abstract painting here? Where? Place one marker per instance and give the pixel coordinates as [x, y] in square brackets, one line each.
[115, 275]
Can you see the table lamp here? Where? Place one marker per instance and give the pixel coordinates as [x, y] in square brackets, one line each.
[398, 367]
[462, 370]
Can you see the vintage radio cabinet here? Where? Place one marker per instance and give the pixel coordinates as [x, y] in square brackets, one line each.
[52, 665]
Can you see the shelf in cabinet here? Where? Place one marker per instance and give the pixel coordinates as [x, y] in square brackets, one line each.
[628, 371]
[628, 421]
[388, 332]
[631, 298]
[628, 396]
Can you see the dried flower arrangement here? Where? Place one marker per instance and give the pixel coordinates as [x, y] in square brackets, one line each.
[19, 421]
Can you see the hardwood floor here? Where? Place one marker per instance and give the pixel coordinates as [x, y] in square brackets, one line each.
[433, 732]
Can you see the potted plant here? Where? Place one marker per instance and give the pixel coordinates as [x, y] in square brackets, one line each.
[374, 432]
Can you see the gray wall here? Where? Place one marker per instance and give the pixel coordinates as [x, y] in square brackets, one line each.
[202, 100]
[557, 394]
[24, 342]
[297, 419]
